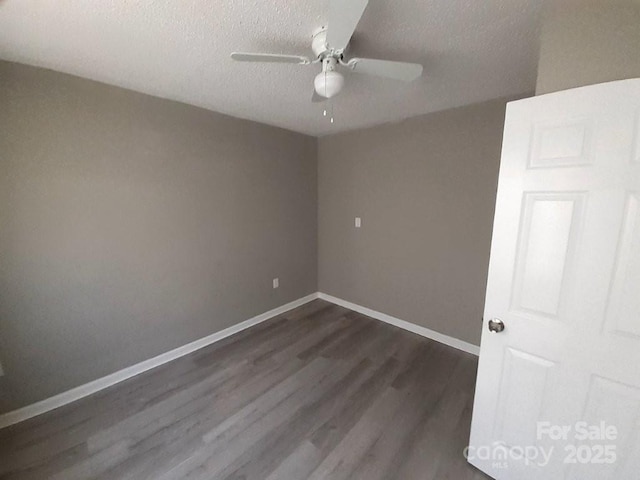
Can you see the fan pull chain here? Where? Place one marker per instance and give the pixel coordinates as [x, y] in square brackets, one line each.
[328, 110]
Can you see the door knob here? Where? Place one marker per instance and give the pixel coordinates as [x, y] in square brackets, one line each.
[496, 325]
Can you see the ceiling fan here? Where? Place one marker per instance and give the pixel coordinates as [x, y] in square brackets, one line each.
[329, 45]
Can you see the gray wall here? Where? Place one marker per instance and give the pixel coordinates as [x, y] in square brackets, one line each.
[584, 42]
[425, 189]
[130, 225]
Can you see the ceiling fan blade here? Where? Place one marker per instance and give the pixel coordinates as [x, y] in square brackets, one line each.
[344, 16]
[269, 57]
[386, 68]
[315, 98]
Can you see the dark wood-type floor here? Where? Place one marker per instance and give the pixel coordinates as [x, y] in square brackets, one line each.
[319, 392]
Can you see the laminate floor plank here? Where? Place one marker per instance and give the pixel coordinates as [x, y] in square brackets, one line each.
[317, 392]
[428, 445]
[264, 458]
[352, 365]
[123, 402]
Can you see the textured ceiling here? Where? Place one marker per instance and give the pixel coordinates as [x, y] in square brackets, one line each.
[472, 50]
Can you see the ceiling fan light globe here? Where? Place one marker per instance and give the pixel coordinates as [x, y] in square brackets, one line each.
[328, 83]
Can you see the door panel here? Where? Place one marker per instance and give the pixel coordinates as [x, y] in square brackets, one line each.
[620, 405]
[518, 410]
[564, 276]
[550, 221]
[624, 300]
[561, 144]
[636, 156]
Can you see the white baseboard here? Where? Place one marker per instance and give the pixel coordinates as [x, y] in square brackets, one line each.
[77, 393]
[412, 327]
[90, 388]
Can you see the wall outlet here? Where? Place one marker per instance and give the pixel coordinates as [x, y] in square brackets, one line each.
[276, 283]
[358, 222]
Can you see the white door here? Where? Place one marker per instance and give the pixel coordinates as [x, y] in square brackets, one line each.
[564, 278]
